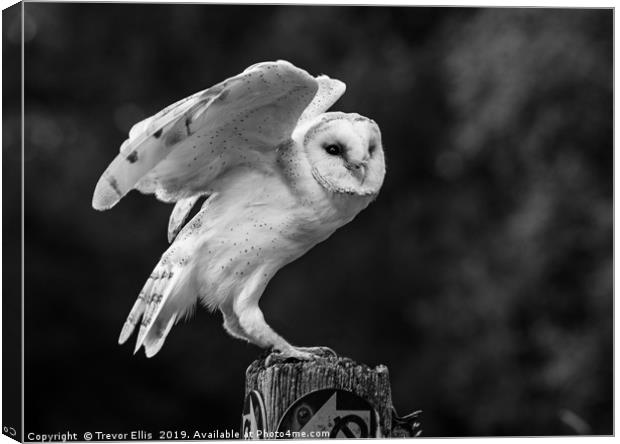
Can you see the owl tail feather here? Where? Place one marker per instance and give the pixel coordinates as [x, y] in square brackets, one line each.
[157, 308]
[156, 337]
[136, 311]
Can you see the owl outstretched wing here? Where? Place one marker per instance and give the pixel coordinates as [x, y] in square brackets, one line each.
[178, 152]
[328, 93]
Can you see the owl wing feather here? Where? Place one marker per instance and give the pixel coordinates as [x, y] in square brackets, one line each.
[153, 311]
[145, 148]
[330, 90]
[180, 150]
[179, 215]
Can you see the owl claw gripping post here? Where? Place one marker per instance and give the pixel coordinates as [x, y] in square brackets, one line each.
[281, 175]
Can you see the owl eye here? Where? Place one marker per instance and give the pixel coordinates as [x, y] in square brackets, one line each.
[334, 149]
[372, 148]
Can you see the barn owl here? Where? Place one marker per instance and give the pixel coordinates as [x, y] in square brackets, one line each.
[280, 175]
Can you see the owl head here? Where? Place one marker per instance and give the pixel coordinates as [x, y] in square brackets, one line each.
[345, 153]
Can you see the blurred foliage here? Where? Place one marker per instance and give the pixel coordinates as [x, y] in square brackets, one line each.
[482, 275]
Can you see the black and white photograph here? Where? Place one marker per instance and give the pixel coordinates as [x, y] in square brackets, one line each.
[289, 221]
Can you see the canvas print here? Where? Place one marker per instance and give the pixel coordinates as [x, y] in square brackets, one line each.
[242, 221]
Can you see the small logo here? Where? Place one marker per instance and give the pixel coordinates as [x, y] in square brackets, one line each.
[341, 413]
[9, 430]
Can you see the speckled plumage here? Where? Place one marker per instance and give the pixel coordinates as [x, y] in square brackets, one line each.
[281, 175]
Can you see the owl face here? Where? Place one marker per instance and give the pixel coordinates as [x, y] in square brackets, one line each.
[345, 153]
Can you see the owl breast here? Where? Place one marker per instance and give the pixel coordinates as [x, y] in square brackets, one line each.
[252, 230]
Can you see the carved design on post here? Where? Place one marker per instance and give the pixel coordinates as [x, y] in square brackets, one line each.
[281, 383]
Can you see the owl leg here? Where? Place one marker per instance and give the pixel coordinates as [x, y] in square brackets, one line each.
[252, 322]
[231, 322]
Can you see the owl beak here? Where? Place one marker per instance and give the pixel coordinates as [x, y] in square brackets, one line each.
[358, 169]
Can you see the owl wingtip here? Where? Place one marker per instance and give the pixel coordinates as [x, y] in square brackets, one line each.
[106, 194]
[334, 84]
[98, 205]
[152, 351]
[125, 333]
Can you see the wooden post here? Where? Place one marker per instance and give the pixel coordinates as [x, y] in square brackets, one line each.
[336, 396]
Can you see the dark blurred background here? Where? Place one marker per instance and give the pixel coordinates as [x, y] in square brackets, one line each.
[481, 276]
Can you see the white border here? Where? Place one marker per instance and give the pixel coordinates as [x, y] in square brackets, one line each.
[554, 4]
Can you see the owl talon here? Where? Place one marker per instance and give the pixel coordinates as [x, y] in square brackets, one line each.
[300, 354]
[292, 354]
[320, 352]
